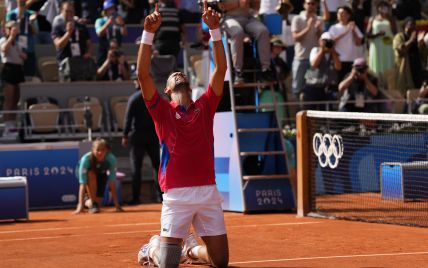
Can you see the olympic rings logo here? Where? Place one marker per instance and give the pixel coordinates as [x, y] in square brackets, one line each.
[328, 149]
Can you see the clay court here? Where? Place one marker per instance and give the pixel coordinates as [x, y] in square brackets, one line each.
[57, 238]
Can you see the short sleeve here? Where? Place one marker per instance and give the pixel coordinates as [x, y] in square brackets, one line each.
[210, 100]
[99, 24]
[111, 159]
[296, 24]
[313, 54]
[83, 168]
[57, 30]
[158, 108]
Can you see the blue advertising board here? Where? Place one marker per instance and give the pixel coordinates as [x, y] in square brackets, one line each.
[50, 173]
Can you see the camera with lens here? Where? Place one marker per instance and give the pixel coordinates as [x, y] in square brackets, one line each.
[328, 43]
[213, 4]
[361, 69]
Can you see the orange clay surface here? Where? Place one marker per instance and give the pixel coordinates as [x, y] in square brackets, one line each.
[59, 239]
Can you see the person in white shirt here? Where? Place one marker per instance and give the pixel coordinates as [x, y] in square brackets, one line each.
[332, 7]
[348, 40]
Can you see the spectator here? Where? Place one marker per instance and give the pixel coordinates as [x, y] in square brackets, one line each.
[409, 51]
[96, 168]
[306, 29]
[28, 28]
[347, 38]
[136, 10]
[115, 67]
[110, 26]
[278, 65]
[362, 13]
[12, 57]
[168, 37]
[238, 21]
[71, 39]
[420, 105]
[140, 135]
[357, 88]
[331, 7]
[380, 31]
[45, 28]
[285, 8]
[321, 78]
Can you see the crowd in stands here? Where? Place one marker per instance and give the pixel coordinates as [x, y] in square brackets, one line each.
[321, 45]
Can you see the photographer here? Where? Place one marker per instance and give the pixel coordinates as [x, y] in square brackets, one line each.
[358, 87]
[321, 78]
[115, 67]
[110, 26]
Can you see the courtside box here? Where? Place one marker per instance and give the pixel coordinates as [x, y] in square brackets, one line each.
[404, 181]
[13, 198]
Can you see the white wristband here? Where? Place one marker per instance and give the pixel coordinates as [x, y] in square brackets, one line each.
[147, 38]
[215, 34]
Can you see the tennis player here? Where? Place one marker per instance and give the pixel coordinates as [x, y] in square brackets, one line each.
[186, 173]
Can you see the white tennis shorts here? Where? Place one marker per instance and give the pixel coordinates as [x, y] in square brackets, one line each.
[199, 206]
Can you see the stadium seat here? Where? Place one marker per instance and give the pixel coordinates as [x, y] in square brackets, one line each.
[118, 107]
[48, 68]
[42, 121]
[119, 111]
[78, 115]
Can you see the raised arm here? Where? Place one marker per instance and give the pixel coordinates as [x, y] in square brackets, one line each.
[211, 18]
[151, 24]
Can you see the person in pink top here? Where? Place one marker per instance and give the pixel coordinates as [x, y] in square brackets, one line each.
[186, 173]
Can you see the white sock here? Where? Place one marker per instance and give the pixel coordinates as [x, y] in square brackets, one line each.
[195, 251]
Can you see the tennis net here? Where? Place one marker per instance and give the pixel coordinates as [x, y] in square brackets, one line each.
[361, 166]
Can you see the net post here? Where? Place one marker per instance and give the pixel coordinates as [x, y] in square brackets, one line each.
[303, 162]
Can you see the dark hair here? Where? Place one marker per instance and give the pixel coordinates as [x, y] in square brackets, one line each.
[382, 3]
[347, 9]
[409, 19]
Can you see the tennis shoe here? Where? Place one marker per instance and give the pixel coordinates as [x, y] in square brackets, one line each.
[94, 208]
[143, 255]
[189, 243]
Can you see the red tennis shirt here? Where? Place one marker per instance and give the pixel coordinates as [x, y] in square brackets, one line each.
[187, 140]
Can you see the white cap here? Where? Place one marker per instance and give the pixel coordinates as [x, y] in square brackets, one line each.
[326, 36]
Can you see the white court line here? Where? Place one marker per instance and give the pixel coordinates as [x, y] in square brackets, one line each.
[333, 257]
[131, 224]
[72, 228]
[128, 232]
[44, 230]
[138, 224]
[39, 238]
[133, 232]
[274, 224]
